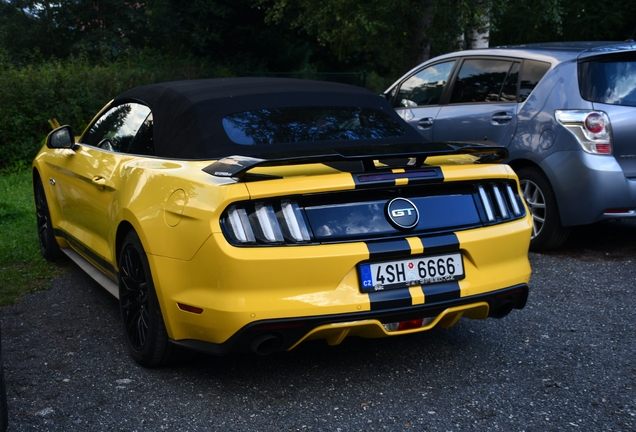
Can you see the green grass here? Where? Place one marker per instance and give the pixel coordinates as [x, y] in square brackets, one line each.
[22, 268]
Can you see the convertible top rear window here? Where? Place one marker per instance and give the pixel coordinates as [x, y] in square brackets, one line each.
[308, 124]
[610, 82]
[261, 117]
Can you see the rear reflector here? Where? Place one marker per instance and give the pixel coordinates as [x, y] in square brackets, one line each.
[188, 308]
[603, 148]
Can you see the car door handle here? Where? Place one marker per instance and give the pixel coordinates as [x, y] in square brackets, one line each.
[500, 118]
[425, 123]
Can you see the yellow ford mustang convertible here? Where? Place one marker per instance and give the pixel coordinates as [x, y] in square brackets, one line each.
[252, 214]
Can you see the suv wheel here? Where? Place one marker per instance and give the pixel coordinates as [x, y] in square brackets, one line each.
[547, 231]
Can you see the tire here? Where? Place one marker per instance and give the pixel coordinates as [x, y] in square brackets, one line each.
[48, 245]
[144, 327]
[547, 231]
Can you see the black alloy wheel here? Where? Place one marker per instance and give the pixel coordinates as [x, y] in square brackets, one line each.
[48, 245]
[143, 322]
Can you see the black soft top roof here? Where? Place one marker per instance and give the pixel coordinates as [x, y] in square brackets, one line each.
[188, 115]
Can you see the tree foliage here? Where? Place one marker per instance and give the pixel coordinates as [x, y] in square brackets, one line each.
[560, 20]
[65, 58]
[72, 91]
[227, 31]
[385, 36]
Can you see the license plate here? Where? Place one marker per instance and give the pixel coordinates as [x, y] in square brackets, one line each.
[410, 272]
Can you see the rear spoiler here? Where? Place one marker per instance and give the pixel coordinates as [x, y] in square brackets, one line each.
[409, 156]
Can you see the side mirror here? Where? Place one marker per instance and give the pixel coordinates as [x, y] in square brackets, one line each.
[61, 137]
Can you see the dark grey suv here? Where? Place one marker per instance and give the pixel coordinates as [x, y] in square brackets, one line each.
[565, 111]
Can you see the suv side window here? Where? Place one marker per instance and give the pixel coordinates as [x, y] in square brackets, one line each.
[533, 71]
[425, 87]
[116, 129]
[481, 80]
[509, 89]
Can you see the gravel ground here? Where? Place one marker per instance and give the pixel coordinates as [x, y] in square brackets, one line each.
[565, 362]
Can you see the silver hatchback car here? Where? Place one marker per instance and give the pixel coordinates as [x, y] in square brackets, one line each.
[565, 111]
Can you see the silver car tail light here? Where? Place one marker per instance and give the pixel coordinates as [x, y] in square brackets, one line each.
[592, 129]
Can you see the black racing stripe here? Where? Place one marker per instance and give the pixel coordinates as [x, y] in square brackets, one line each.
[86, 251]
[390, 299]
[388, 249]
[440, 292]
[440, 244]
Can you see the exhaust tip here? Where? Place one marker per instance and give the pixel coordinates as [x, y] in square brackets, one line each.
[265, 344]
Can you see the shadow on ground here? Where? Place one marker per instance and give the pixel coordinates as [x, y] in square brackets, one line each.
[604, 240]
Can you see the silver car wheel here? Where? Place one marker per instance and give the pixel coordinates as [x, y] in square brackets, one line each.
[536, 204]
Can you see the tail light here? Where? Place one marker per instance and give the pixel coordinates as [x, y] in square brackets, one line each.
[283, 221]
[591, 129]
[266, 222]
[500, 202]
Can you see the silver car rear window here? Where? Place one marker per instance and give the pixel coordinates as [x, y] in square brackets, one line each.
[610, 82]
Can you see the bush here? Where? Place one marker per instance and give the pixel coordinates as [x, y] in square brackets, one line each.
[72, 91]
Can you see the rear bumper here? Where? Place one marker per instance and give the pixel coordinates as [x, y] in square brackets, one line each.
[268, 336]
[586, 186]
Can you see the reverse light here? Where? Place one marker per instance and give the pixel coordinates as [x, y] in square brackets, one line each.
[592, 129]
[408, 325]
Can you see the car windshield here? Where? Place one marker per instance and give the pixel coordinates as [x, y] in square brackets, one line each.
[609, 82]
[309, 124]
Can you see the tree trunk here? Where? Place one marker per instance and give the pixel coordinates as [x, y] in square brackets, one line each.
[420, 49]
[478, 35]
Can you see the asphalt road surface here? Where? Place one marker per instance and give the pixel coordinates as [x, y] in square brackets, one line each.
[564, 363]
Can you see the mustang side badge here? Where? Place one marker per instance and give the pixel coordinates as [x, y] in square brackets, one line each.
[402, 213]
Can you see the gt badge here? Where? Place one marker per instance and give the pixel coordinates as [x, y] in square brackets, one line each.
[402, 213]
